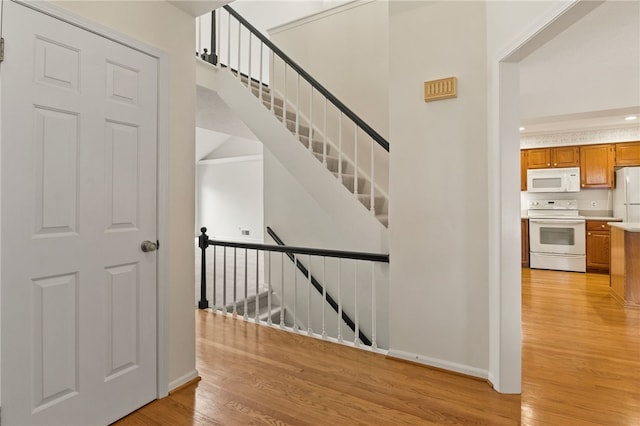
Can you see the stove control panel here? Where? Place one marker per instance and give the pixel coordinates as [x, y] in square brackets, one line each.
[553, 205]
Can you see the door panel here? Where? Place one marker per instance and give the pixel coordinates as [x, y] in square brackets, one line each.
[79, 139]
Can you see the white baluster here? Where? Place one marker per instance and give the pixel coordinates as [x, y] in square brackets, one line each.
[235, 282]
[374, 307]
[372, 181]
[218, 19]
[284, 101]
[295, 292]
[239, 50]
[260, 82]
[340, 146]
[269, 291]
[224, 280]
[257, 318]
[297, 106]
[215, 307]
[309, 331]
[355, 167]
[339, 300]
[311, 119]
[356, 339]
[272, 78]
[324, 143]
[229, 41]
[246, 286]
[324, 295]
[249, 63]
[199, 35]
[282, 289]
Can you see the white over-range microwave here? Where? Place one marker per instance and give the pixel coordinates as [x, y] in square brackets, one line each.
[554, 180]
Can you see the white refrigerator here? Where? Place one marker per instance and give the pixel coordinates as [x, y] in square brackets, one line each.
[626, 195]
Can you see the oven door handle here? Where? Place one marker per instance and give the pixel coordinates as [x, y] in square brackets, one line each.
[556, 222]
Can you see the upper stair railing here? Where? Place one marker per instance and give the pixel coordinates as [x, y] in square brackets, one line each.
[351, 149]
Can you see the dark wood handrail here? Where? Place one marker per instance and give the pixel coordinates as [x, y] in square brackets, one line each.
[316, 85]
[320, 289]
[373, 257]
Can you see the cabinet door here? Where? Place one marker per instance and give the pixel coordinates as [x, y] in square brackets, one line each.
[566, 156]
[628, 154]
[523, 170]
[596, 166]
[524, 223]
[539, 158]
[598, 251]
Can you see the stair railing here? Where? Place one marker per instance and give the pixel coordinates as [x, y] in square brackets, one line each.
[239, 291]
[322, 122]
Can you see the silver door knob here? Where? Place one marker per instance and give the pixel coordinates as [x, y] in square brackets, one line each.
[148, 246]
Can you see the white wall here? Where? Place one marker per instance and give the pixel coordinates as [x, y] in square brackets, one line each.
[348, 53]
[162, 25]
[229, 199]
[439, 309]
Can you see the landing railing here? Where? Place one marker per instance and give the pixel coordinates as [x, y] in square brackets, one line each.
[318, 290]
[349, 147]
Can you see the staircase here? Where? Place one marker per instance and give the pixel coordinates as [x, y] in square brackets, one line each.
[352, 153]
[324, 150]
[269, 311]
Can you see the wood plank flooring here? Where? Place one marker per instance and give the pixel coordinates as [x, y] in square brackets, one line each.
[581, 366]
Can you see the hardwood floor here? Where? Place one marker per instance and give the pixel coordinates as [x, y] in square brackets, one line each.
[581, 366]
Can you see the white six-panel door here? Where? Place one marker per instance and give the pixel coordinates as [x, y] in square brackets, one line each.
[79, 142]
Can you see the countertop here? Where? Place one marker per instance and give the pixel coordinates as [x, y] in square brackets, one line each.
[604, 218]
[587, 216]
[627, 226]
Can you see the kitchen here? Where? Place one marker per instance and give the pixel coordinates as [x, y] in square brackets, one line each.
[574, 199]
[580, 109]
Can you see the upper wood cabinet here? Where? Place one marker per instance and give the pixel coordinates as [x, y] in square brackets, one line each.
[544, 158]
[596, 166]
[628, 154]
[523, 170]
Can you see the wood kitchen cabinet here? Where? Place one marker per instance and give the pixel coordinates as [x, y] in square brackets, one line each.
[524, 223]
[624, 279]
[596, 166]
[523, 169]
[628, 154]
[598, 246]
[544, 158]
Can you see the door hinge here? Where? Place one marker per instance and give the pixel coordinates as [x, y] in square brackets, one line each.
[1, 49]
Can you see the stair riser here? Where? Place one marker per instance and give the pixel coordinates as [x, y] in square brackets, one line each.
[332, 163]
[380, 203]
[266, 100]
[318, 146]
[302, 130]
[348, 182]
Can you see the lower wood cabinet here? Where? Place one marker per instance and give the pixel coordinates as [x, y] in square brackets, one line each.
[598, 246]
[525, 242]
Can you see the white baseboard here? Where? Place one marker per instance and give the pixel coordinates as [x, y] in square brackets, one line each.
[439, 363]
[174, 384]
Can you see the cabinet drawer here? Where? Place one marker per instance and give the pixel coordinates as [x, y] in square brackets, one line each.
[597, 225]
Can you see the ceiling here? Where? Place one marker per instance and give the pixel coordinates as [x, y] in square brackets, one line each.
[587, 76]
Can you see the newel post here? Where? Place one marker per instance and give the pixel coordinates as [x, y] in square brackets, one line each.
[203, 243]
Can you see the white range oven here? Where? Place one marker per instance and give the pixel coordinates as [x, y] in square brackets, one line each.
[557, 236]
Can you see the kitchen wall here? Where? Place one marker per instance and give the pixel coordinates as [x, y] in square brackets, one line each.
[602, 198]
